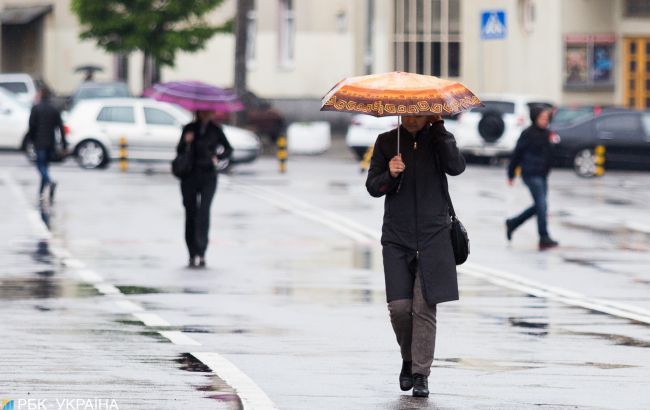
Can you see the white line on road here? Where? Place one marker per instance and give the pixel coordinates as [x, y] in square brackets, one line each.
[89, 276]
[179, 338]
[353, 230]
[129, 306]
[107, 289]
[151, 319]
[251, 395]
[36, 223]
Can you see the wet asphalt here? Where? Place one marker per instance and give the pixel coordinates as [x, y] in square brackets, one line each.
[293, 293]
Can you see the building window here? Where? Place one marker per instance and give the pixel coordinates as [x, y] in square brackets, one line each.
[589, 61]
[637, 8]
[251, 34]
[428, 37]
[287, 33]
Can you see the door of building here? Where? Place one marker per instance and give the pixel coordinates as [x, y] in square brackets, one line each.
[636, 72]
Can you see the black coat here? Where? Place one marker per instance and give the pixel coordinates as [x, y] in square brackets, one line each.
[208, 142]
[533, 153]
[416, 225]
[43, 121]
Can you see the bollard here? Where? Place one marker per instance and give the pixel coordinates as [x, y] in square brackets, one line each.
[599, 152]
[282, 155]
[365, 162]
[123, 154]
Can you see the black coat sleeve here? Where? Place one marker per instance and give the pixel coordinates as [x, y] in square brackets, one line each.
[451, 160]
[227, 153]
[379, 181]
[517, 154]
[59, 124]
[31, 132]
[180, 148]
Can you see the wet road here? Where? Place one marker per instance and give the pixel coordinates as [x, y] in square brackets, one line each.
[291, 311]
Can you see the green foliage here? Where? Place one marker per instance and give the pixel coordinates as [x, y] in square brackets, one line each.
[159, 28]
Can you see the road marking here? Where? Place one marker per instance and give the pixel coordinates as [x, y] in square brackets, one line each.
[353, 230]
[151, 319]
[252, 397]
[250, 394]
[179, 338]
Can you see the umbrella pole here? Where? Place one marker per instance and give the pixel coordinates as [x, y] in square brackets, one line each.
[398, 127]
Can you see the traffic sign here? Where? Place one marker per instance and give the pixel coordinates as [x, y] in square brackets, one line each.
[493, 25]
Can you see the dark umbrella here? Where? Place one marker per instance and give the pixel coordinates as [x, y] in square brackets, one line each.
[89, 68]
[195, 95]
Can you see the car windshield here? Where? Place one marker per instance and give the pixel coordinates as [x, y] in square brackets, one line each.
[105, 91]
[503, 107]
[11, 96]
[565, 116]
[17, 87]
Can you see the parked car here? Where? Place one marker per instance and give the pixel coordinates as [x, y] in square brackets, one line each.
[91, 90]
[23, 85]
[492, 131]
[152, 130]
[14, 120]
[261, 117]
[625, 134]
[569, 114]
[364, 130]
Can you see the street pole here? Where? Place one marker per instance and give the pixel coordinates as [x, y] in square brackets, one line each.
[241, 40]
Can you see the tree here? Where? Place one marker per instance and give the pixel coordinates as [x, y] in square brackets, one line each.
[241, 41]
[157, 28]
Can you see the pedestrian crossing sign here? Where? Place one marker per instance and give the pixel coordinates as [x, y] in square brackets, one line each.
[493, 25]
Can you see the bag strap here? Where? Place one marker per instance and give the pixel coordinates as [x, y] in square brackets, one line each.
[445, 189]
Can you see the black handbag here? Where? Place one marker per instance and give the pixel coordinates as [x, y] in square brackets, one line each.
[183, 163]
[459, 236]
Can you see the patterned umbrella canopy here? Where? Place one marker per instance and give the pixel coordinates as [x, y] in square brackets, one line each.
[399, 93]
[195, 95]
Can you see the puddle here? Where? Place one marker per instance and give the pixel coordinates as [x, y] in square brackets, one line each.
[43, 288]
[331, 295]
[217, 388]
[190, 363]
[620, 340]
[143, 290]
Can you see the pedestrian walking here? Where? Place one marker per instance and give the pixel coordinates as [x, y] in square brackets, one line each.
[533, 154]
[419, 265]
[44, 123]
[208, 145]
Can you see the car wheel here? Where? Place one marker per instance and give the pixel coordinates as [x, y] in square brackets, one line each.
[585, 163]
[491, 126]
[91, 154]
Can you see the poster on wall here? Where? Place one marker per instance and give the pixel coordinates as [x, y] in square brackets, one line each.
[589, 61]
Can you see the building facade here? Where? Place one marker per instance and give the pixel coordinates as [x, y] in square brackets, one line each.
[570, 51]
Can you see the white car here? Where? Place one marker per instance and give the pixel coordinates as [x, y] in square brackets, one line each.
[492, 131]
[151, 128]
[21, 84]
[14, 121]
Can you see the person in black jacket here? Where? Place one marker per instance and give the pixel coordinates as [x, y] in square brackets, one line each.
[209, 146]
[533, 155]
[419, 265]
[44, 121]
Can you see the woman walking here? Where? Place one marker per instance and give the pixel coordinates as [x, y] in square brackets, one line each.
[533, 154]
[419, 265]
[209, 146]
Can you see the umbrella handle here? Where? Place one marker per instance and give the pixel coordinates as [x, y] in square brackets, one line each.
[398, 127]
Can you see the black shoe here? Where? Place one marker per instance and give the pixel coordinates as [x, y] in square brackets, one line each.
[406, 377]
[509, 229]
[547, 243]
[192, 262]
[201, 262]
[420, 385]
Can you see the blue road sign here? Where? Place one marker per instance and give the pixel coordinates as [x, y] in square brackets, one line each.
[493, 25]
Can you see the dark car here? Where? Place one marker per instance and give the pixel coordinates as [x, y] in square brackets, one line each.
[91, 90]
[625, 134]
[569, 114]
[261, 117]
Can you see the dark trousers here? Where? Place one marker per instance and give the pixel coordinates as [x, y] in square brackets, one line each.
[414, 324]
[42, 164]
[198, 190]
[538, 187]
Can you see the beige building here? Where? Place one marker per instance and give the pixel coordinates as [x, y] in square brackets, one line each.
[571, 51]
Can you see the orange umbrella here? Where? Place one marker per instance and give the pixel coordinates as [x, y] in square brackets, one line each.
[399, 93]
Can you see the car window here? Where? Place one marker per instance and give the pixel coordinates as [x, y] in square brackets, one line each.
[117, 114]
[504, 107]
[108, 91]
[15, 87]
[619, 123]
[571, 115]
[154, 116]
